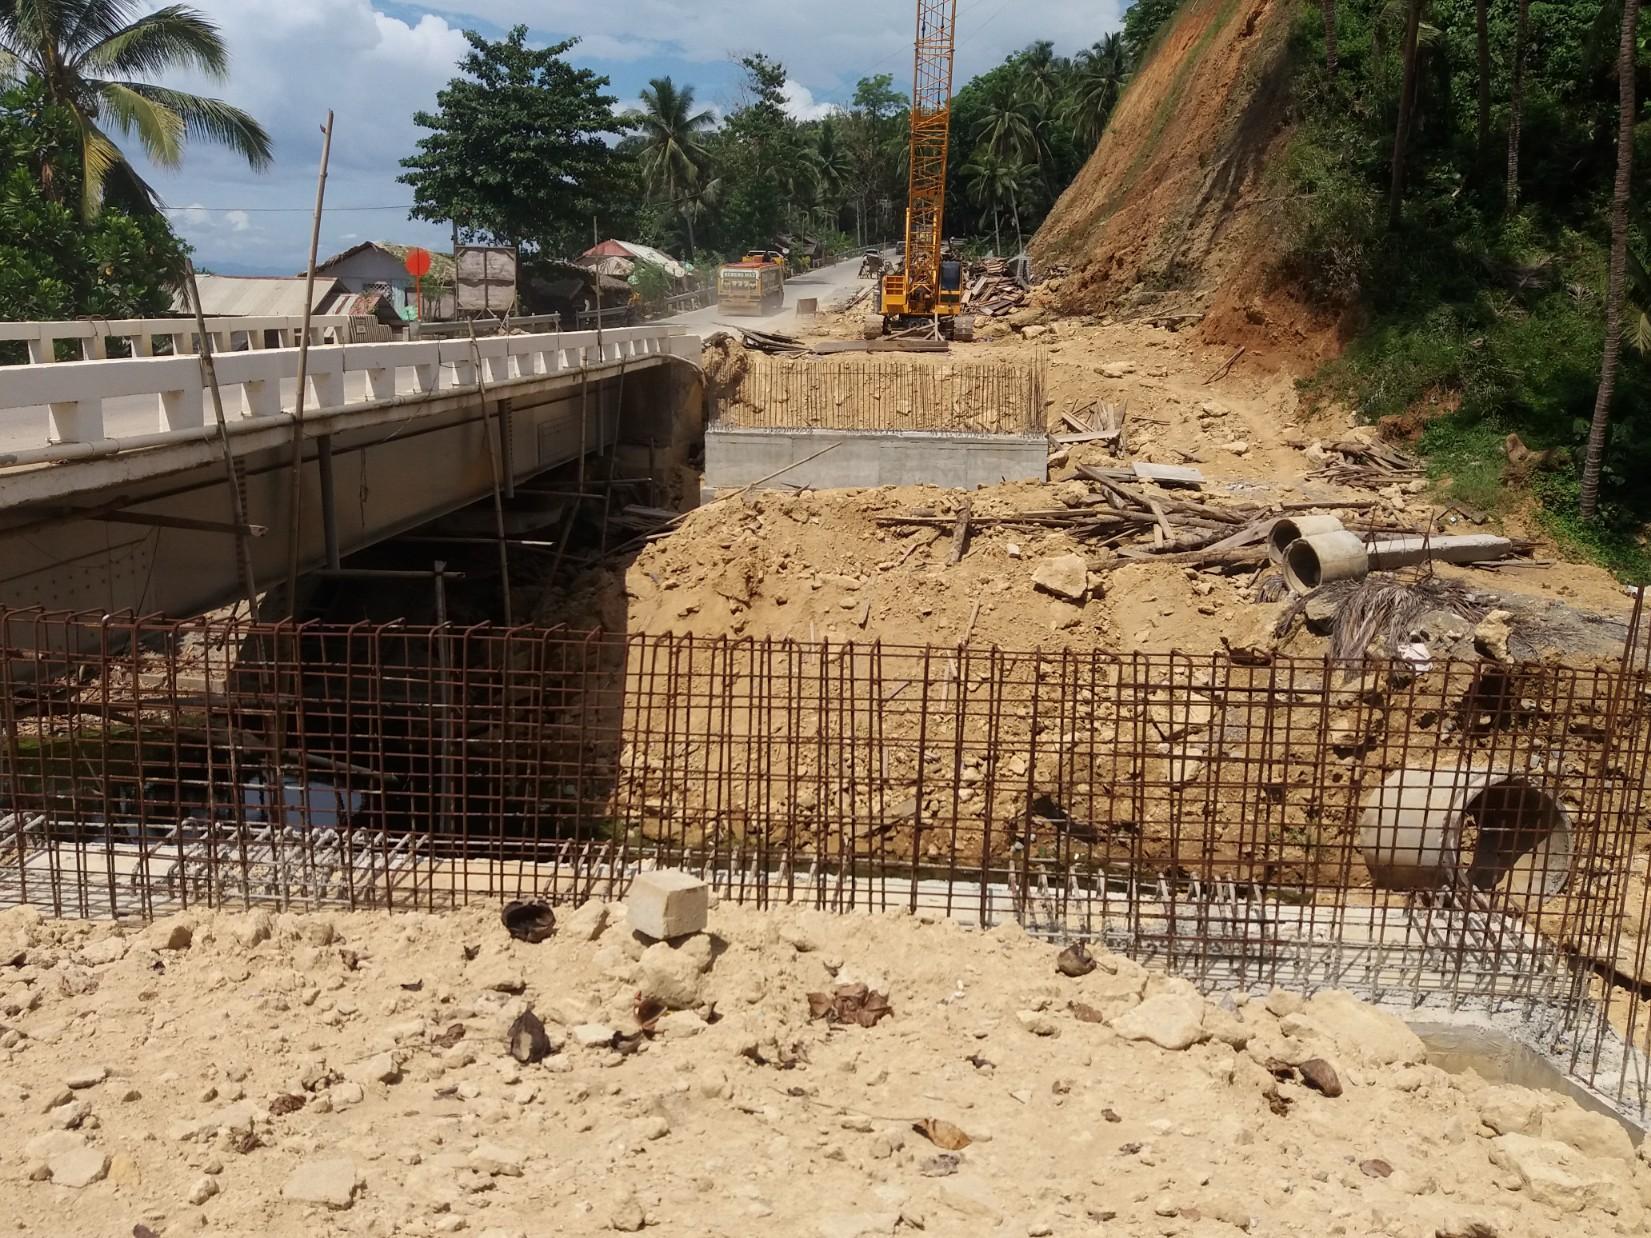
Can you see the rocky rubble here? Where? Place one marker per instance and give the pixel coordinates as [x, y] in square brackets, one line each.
[354, 1074]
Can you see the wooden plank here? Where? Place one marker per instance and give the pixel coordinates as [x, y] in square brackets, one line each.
[1092, 436]
[1168, 474]
[960, 533]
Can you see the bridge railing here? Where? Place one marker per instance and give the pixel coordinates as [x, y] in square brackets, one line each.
[149, 337]
[73, 394]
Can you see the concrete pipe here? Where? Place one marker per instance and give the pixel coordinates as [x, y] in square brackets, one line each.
[1428, 829]
[1287, 529]
[1324, 557]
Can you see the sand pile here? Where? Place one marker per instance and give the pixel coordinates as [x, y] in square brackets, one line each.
[249, 1074]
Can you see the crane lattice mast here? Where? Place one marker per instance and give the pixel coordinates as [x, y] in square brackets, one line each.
[931, 115]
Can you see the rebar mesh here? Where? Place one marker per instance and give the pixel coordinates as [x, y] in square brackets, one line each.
[1244, 824]
[887, 394]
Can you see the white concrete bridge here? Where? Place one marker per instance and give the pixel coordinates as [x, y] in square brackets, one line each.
[113, 490]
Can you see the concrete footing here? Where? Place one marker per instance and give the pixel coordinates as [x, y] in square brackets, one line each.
[856, 459]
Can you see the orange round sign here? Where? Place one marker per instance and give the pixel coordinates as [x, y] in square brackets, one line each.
[418, 263]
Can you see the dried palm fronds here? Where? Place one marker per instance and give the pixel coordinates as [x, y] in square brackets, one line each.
[1385, 606]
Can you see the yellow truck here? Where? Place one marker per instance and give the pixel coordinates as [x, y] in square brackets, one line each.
[751, 286]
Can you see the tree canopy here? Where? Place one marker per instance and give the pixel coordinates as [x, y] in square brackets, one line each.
[54, 263]
[518, 150]
[98, 58]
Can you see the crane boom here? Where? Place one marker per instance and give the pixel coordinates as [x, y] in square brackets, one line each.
[931, 116]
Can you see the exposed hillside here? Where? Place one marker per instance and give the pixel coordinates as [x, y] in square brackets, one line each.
[1171, 213]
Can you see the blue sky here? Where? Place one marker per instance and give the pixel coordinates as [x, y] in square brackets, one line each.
[375, 63]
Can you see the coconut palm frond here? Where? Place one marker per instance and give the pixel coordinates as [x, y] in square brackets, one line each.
[169, 38]
[212, 120]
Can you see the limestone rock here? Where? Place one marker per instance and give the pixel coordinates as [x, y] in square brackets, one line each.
[1557, 1174]
[499, 1160]
[172, 933]
[103, 952]
[331, 1182]
[625, 1214]
[587, 921]
[668, 903]
[85, 1077]
[80, 1167]
[252, 928]
[1065, 576]
[671, 976]
[592, 1035]
[1170, 1020]
[1592, 1134]
[380, 1068]
[1379, 1038]
[1511, 1110]
[1491, 636]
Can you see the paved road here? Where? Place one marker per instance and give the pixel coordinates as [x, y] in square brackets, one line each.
[832, 286]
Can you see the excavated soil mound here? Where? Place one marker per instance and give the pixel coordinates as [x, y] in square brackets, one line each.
[1172, 213]
[310, 1075]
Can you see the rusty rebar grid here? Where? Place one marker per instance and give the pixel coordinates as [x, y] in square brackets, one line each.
[1185, 809]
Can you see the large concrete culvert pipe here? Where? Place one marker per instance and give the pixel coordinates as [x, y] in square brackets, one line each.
[1288, 529]
[1428, 829]
[1322, 558]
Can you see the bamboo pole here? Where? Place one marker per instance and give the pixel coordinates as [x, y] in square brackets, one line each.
[296, 506]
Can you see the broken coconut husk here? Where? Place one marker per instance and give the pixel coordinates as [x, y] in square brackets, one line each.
[849, 1003]
[1075, 961]
[529, 922]
[1382, 606]
[943, 1134]
[528, 1040]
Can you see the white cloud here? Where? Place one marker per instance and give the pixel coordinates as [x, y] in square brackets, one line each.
[238, 221]
[800, 102]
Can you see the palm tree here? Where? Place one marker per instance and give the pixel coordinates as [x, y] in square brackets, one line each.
[96, 58]
[1330, 54]
[1407, 108]
[673, 157]
[696, 201]
[1013, 125]
[991, 179]
[1098, 82]
[1041, 71]
[1593, 461]
[1516, 102]
[1482, 34]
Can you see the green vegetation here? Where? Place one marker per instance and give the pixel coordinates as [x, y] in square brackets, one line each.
[517, 150]
[1482, 308]
[98, 60]
[54, 262]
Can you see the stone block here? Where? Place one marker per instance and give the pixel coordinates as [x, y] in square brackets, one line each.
[668, 903]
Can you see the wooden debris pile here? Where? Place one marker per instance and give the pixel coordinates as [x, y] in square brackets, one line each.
[1158, 511]
[993, 289]
[1370, 465]
[776, 344]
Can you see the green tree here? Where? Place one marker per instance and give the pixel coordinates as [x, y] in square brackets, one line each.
[759, 150]
[991, 181]
[1599, 428]
[54, 262]
[1142, 21]
[1098, 82]
[94, 58]
[1516, 103]
[673, 157]
[517, 151]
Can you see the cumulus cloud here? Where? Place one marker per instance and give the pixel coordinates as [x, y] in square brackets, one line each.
[800, 102]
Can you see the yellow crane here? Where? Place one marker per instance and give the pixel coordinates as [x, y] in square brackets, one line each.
[929, 286]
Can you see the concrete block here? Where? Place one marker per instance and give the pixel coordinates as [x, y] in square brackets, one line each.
[668, 903]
